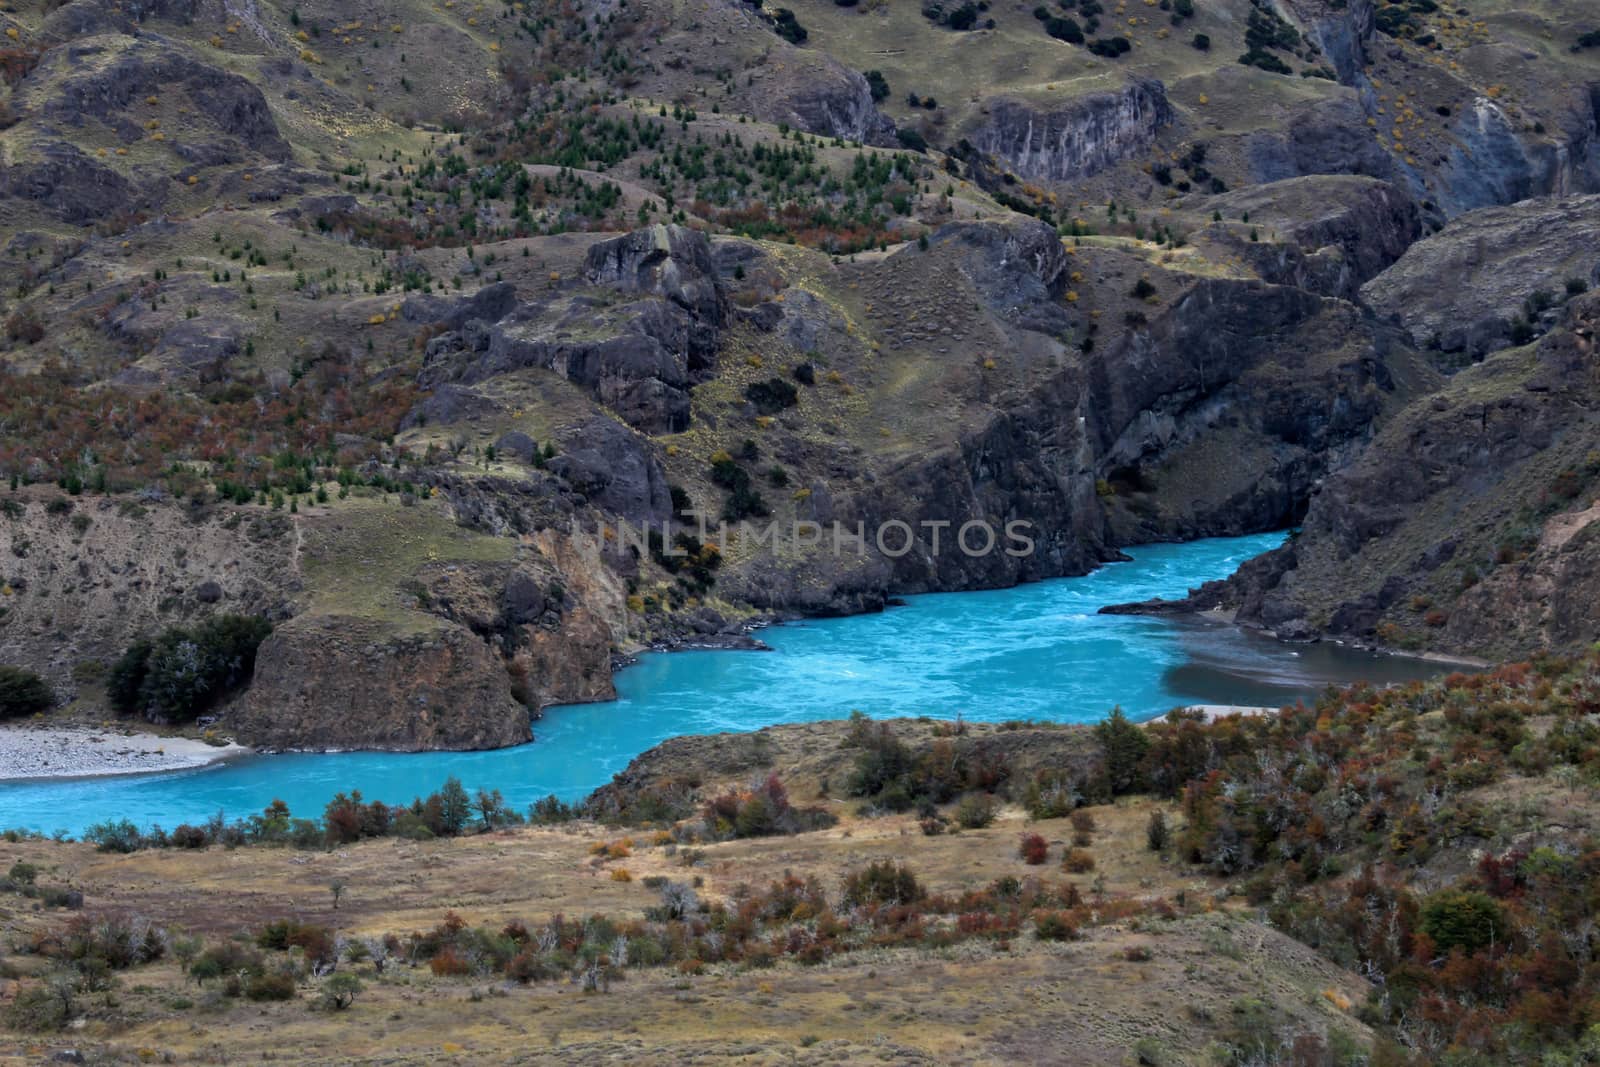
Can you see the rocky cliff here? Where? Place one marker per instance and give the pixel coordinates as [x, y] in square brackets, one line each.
[1467, 526]
[436, 689]
[1491, 276]
[1077, 139]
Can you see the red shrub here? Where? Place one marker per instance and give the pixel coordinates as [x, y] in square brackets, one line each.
[1033, 849]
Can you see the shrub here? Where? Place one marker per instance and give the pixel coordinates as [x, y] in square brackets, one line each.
[1110, 47]
[1054, 926]
[23, 693]
[186, 670]
[911, 139]
[1201, 42]
[1033, 849]
[882, 882]
[772, 395]
[1155, 832]
[1077, 861]
[42, 1008]
[552, 809]
[25, 326]
[975, 812]
[274, 985]
[879, 87]
[1064, 29]
[1083, 827]
[1466, 919]
[117, 836]
[340, 991]
[449, 964]
[788, 27]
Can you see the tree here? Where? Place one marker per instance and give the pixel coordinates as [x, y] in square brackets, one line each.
[1466, 919]
[340, 991]
[1125, 746]
[455, 807]
[23, 693]
[336, 888]
[492, 809]
[1156, 833]
[186, 670]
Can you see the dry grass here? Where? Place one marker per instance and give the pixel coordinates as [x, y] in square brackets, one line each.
[973, 1003]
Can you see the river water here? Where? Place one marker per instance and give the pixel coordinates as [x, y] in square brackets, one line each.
[1037, 651]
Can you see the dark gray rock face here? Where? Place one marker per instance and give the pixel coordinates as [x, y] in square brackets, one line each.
[1458, 291]
[1082, 138]
[831, 100]
[1222, 416]
[1014, 262]
[84, 88]
[1328, 138]
[1341, 32]
[71, 186]
[638, 357]
[616, 469]
[1333, 232]
[671, 262]
[1489, 163]
[80, 18]
[1443, 493]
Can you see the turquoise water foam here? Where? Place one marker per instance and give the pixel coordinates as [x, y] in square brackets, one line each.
[1033, 652]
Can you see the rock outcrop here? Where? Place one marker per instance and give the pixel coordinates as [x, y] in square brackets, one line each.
[70, 186]
[637, 357]
[101, 78]
[1461, 291]
[1467, 526]
[1330, 233]
[1329, 137]
[1490, 162]
[440, 688]
[1223, 414]
[1078, 139]
[821, 96]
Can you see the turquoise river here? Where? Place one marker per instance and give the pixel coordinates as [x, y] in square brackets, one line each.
[1033, 652]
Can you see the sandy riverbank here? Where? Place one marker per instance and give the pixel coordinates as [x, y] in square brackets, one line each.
[80, 752]
[1213, 712]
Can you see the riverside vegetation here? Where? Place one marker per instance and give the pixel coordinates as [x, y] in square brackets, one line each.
[1431, 844]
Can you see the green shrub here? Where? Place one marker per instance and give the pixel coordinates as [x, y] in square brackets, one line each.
[882, 882]
[1125, 747]
[975, 811]
[1054, 926]
[275, 985]
[788, 27]
[23, 693]
[186, 670]
[1466, 919]
[772, 395]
